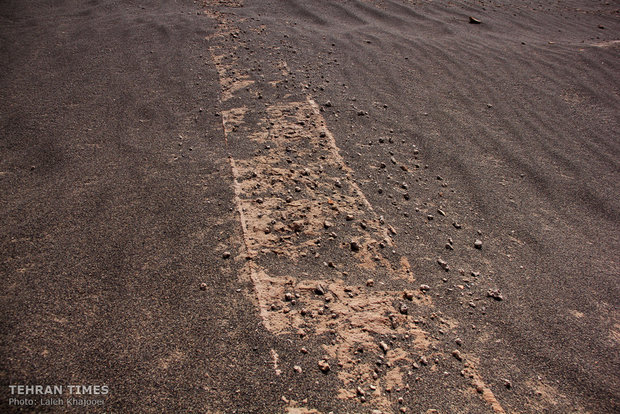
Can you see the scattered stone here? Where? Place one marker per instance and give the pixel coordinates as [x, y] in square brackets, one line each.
[320, 289]
[425, 288]
[408, 295]
[360, 391]
[203, 286]
[441, 212]
[298, 369]
[370, 282]
[430, 217]
[327, 224]
[355, 246]
[403, 309]
[478, 244]
[415, 365]
[226, 255]
[384, 347]
[324, 366]
[495, 294]
[303, 350]
[507, 383]
[423, 360]
[349, 217]
[288, 296]
[458, 341]
[473, 20]
[456, 225]
[457, 354]
[449, 246]
[297, 226]
[443, 264]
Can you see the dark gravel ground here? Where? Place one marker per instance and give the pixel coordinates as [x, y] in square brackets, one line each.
[116, 199]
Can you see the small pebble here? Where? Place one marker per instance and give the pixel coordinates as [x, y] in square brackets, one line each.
[324, 366]
[495, 294]
[443, 264]
[320, 289]
[403, 309]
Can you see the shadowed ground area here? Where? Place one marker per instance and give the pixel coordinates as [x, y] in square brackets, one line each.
[327, 206]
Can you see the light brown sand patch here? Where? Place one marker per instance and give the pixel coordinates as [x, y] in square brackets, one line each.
[576, 313]
[470, 371]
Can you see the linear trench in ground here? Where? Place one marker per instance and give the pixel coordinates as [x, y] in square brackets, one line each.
[298, 196]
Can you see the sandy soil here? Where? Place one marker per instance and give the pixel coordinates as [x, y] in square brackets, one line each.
[328, 206]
